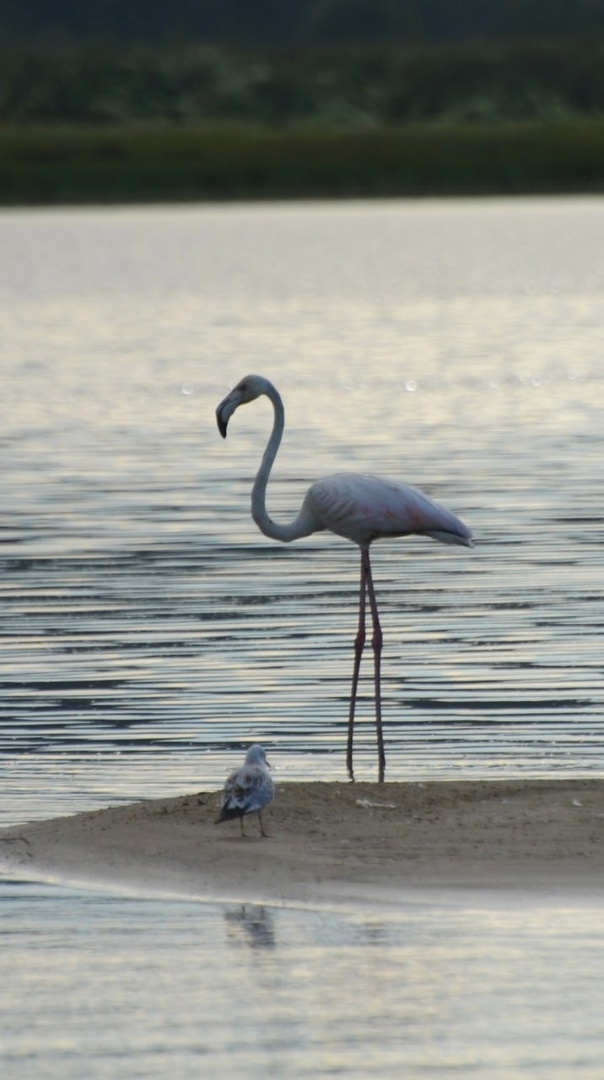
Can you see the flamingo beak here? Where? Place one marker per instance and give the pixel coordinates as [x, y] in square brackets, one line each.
[225, 410]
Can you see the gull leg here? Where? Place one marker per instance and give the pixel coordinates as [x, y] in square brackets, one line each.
[376, 644]
[359, 644]
[262, 832]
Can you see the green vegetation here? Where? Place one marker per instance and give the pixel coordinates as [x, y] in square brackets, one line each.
[125, 163]
[89, 124]
[344, 87]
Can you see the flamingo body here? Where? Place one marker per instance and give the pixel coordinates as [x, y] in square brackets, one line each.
[364, 508]
[361, 508]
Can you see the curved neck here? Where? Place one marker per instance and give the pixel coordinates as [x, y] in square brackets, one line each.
[301, 526]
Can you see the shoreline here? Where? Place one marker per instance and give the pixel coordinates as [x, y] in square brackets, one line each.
[88, 164]
[335, 844]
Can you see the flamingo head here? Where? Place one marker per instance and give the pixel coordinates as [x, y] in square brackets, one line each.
[247, 389]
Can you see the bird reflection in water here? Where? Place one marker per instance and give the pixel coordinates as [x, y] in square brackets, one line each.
[253, 924]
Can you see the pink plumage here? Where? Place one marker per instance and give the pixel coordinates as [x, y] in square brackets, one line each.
[365, 508]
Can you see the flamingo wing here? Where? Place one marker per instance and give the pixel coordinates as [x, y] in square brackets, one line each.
[364, 508]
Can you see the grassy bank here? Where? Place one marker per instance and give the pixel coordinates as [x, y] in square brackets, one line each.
[90, 164]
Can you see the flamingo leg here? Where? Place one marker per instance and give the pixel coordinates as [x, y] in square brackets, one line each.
[359, 644]
[376, 644]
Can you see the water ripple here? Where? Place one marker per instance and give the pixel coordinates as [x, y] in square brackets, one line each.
[148, 631]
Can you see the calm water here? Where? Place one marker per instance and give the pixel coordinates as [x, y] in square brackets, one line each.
[148, 630]
[137, 989]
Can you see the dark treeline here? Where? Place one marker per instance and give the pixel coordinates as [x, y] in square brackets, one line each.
[344, 87]
[107, 100]
[294, 22]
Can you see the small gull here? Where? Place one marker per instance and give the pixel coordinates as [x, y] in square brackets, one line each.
[248, 790]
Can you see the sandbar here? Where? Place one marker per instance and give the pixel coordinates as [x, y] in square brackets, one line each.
[334, 844]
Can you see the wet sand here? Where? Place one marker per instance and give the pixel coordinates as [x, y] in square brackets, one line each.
[335, 844]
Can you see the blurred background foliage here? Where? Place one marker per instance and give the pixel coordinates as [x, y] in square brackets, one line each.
[343, 86]
[294, 22]
[238, 98]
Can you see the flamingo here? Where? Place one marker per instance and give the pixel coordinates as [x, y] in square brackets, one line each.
[248, 789]
[356, 506]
